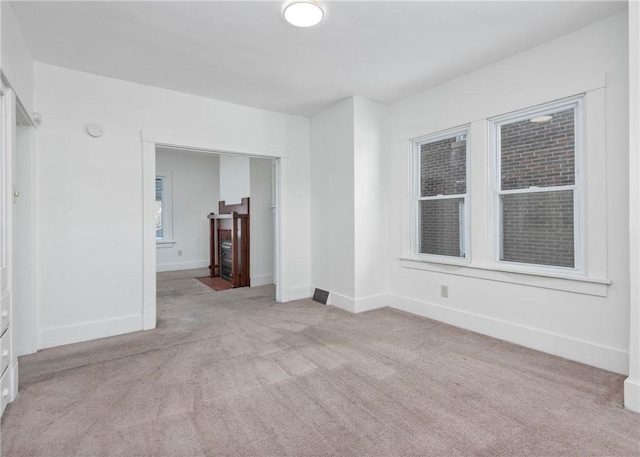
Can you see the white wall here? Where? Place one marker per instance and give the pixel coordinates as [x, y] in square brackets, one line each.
[262, 223]
[573, 323]
[348, 200]
[234, 179]
[632, 384]
[370, 204]
[89, 196]
[195, 188]
[332, 203]
[16, 62]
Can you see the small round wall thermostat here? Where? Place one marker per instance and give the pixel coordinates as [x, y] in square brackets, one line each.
[94, 130]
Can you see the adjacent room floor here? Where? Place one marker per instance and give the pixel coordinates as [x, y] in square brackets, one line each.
[234, 373]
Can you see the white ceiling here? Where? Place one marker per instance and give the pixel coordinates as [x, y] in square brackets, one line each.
[244, 52]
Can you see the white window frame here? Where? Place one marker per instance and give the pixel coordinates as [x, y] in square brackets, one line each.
[465, 240]
[578, 188]
[167, 211]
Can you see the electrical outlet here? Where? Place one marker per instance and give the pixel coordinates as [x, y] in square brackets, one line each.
[180, 253]
[444, 291]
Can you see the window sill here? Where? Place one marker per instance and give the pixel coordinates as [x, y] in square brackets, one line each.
[555, 281]
[164, 244]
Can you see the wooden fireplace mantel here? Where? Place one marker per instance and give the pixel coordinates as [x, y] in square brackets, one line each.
[229, 243]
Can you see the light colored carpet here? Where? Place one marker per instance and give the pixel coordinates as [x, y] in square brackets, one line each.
[233, 373]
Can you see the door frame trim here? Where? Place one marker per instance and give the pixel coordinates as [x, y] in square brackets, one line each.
[150, 140]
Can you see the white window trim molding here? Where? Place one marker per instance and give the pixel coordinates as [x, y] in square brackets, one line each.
[415, 145]
[595, 281]
[540, 279]
[164, 244]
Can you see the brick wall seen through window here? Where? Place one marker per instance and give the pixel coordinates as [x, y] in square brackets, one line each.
[443, 169]
[538, 227]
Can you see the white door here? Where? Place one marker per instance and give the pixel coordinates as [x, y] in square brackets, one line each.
[6, 354]
[4, 175]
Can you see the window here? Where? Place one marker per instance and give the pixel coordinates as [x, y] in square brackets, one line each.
[163, 210]
[159, 222]
[533, 206]
[441, 194]
[537, 185]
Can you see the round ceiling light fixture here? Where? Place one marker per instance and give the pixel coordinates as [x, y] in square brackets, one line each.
[304, 13]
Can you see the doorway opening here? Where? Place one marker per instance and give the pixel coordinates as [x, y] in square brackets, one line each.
[183, 173]
[196, 195]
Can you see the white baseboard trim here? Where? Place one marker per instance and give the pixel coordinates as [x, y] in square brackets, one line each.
[632, 395]
[342, 302]
[357, 305]
[57, 336]
[14, 381]
[261, 280]
[192, 265]
[596, 355]
[370, 303]
[149, 319]
[297, 293]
